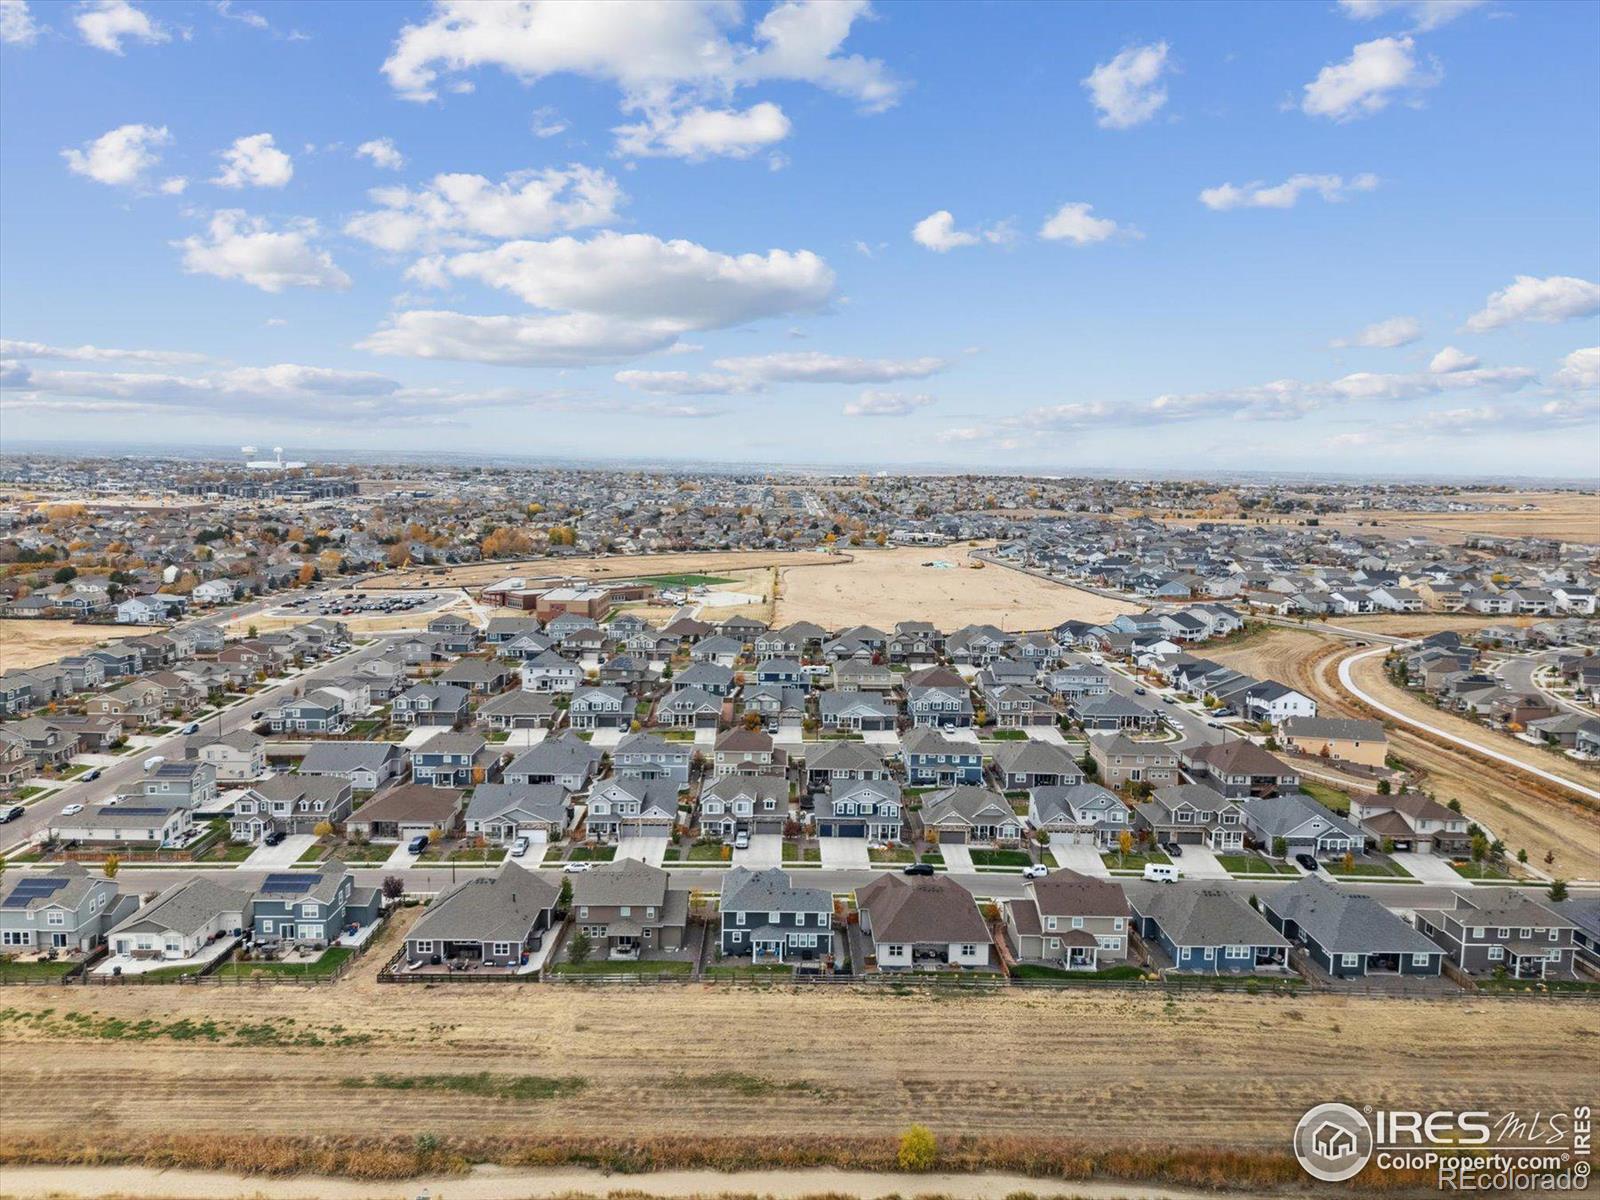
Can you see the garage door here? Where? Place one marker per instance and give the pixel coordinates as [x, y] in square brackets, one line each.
[851, 831]
[953, 837]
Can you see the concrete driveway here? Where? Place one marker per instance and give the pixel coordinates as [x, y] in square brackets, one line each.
[765, 850]
[524, 739]
[1046, 733]
[845, 853]
[881, 737]
[705, 739]
[401, 860]
[957, 858]
[1085, 860]
[1429, 868]
[285, 854]
[652, 850]
[1200, 863]
[607, 738]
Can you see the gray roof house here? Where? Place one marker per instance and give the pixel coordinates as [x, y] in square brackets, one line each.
[567, 760]
[1305, 826]
[64, 909]
[1205, 929]
[1349, 934]
[628, 805]
[492, 922]
[766, 916]
[964, 815]
[366, 765]
[182, 921]
[647, 756]
[503, 812]
[1082, 814]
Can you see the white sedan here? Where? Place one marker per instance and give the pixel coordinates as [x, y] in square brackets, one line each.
[572, 868]
[71, 810]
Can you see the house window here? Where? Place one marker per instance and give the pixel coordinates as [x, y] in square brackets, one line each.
[1421, 960]
[737, 936]
[55, 917]
[501, 949]
[1238, 952]
[969, 950]
[308, 910]
[1077, 922]
[1496, 953]
[1350, 960]
[1055, 943]
[267, 925]
[1478, 931]
[741, 918]
[424, 947]
[1555, 935]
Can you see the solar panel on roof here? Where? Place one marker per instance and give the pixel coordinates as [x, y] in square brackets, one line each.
[289, 883]
[29, 890]
[142, 812]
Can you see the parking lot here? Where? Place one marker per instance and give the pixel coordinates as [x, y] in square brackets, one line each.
[361, 603]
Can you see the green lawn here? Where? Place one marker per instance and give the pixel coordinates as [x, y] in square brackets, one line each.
[1368, 869]
[74, 772]
[689, 580]
[34, 972]
[592, 854]
[1039, 971]
[464, 854]
[363, 855]
[749, 971]
[1327, 795]
[27, 793]
[704, 852]
[933, 857]
[794, 853]
[602, 966]
[894, 854]
[1472, 870]
[1134, 860]
[313, 854]
[332, 959]
[1006, 735]
[1252, 864]
[673, 854]
[1538, 985]
[1000, 858]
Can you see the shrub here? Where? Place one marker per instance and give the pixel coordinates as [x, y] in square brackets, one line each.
[919, 1150]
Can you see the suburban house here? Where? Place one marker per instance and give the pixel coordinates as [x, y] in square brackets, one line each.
[503, 812]
[766, 916]
[313, 906]
[1080, 814]
[922, 921]
[747, 752]
[971, 816]
[1069, 920]
[404, 812]
[430, 704]
[1203, 929]
[1112, 713]
[1031, 764]
[646, 756]
[517, 710]
[567, 760]
[188, 781]
[1190, 814]
[290, 804]
[167, 824]
[1493, 929]
[627, 910]
[689, 708]
[182, 921]
[1240, 768]
[366, 766]
[65, 908]
[938, 761]
[1348, 934]
[942, 705]
[1122, 760]
[236, 757]
[627, 806]
[860, 808]
[1338, 738]
[455, 760]
[493, 921]
[857, 711]
[1410, 821]
[751, 803]
[1303, 825]
[319, 711]
[600, 708]
[827, 761]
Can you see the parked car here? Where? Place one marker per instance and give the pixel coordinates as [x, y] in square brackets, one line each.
[741, 840]
[1037, 871]
[417, 844]
[573, 868]
[258, 714]
[71, 810]
[275, 838]
[11, 813]
[191, 727]
[1139, 691]
[1306, 861]
[1174, 850]
[1168, 700]
[918, 869]
[520, 847]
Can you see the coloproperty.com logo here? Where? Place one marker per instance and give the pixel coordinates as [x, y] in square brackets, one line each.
[1463, 1150]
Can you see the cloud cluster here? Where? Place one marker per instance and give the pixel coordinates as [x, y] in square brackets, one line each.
[873, 403]
[238, 246]
[1547, 301]
[106, 24]
[1423, 14]
[382, 152]
[17, 26]
[121, 157]
[12, 348]
[937, 232]
[254, 161]
[1383, 335]
[1365, 83]
[1332, 188]
[1128, 90]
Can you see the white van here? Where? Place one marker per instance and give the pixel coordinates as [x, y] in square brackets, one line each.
[154, 761]
[1161, 872]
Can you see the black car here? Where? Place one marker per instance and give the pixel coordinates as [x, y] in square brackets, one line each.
[11, 813]
[919, 869]
[275, 838]
[1306, 861]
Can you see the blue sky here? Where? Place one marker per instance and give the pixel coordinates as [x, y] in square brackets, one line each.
[1354, 236]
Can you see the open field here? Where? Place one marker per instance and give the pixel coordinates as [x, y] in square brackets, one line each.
[27, 643]
[1569, 516]
[708, 562]
[881, 587]
[1422, 624]
[1522, 811]
[711, 1061]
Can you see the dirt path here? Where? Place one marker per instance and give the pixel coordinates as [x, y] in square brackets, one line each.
[489, 1183]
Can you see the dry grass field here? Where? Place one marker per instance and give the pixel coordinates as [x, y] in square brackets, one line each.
[881, 587]
[1524, 812]
[27, 643]
[1570, 516]
[715, 1061]
[709, 562]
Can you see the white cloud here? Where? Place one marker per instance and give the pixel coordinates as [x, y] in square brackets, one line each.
[17, 26]
[886, 404]
[568, 340]
[1424, 14]
[1580, 369]
[811, 366]
[687, 383]
[665, 56]
[254, 161]
[173, 185]
[104, 24]
[237, 246]
[121, 157]
[547, 123]
[700, 133]
[11, 348]
[1366, 81]
[458, 210]
[1332, 188]
[1074, 223]
[1128, 91]
[383, 153]
[244, 16]
[1450, 360]
[938, 232]
[637, 277]
[1383, 335]
[1549, 301]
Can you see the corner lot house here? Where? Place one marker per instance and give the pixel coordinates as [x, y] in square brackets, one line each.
[64, 909]
[182, 921]
[922, 921]
[1349, 934]
[493, 922]
[1069, 920]
[767, 917]
[1492, 929]
[1411, 821]
[1206, 930]
[627, 910]
[1362, 742]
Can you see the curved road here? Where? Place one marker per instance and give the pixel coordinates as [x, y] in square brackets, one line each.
[1434, 731]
